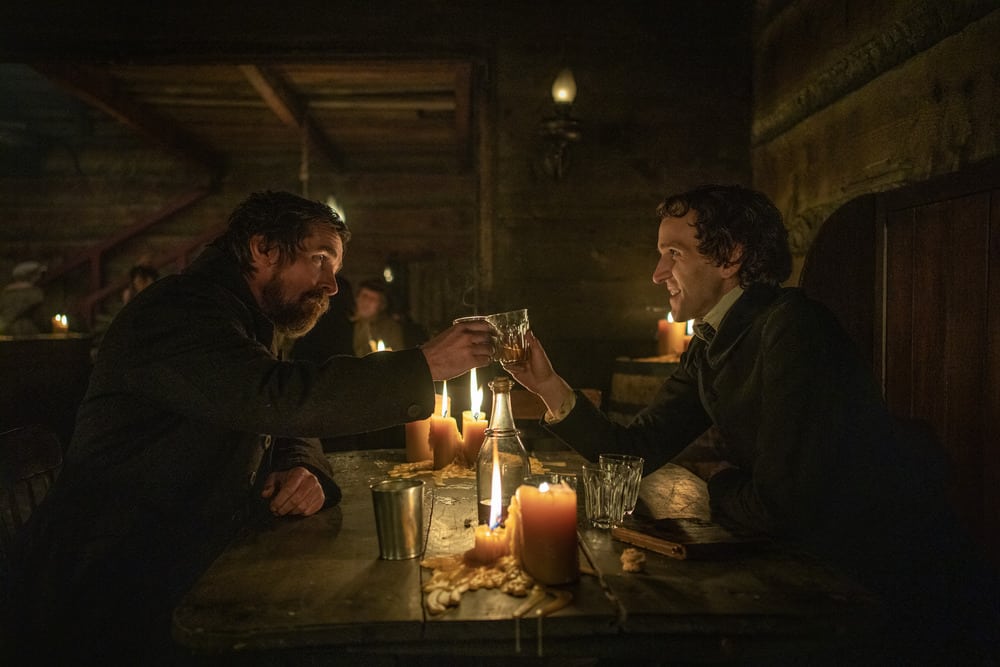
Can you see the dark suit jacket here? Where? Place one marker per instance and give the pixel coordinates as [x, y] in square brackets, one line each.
[186, 413]
[802, 419]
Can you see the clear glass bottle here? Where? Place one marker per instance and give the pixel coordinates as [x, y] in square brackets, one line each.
[502, 451]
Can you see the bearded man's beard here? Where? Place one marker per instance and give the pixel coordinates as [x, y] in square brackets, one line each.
[293, 319]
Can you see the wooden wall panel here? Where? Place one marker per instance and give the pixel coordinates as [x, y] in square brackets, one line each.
[936, 320]
[991, 394]
[898, 379]
[941, 341]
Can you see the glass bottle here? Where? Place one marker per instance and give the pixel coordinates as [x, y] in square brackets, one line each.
[502, 451]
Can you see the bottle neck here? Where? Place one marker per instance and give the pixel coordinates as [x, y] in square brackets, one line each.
[502, 419]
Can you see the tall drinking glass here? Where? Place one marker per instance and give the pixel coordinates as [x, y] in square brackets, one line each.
[631, 472]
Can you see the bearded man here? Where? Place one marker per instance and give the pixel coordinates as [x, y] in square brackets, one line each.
[191, 426]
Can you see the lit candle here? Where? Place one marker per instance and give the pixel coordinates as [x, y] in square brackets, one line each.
[548, 544]
[443, 436]
[380, 346]
[60, 323]
[418, 443]
[491, 544]
[473, 422]
[670, 336]
[491, 539]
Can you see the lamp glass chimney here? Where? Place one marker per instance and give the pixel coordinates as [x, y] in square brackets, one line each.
[564, 88]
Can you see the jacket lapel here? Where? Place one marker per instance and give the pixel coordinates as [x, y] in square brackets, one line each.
[738, 321]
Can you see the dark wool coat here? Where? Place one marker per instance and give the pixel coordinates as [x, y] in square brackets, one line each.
[187, 412]
[820, 462]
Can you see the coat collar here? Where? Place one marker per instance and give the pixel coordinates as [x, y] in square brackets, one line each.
[738, 321]
[220, 267]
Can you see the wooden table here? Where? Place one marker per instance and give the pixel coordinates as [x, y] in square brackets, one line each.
[316, 584]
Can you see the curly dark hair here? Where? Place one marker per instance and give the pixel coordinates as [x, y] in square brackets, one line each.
[282, 218]
[731, 217]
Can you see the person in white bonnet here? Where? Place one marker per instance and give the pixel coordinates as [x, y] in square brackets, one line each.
[20, 300]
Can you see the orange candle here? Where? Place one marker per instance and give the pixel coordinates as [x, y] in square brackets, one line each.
[473, 422]
[60, 324]
[418, 444]
[473, 435]
[670, 336]
[443, 436]
[491, 544]
[547, 527]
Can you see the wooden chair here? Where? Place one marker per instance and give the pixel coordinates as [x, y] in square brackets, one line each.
[30, 460]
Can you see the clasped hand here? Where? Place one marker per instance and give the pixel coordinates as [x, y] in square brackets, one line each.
[294, 491]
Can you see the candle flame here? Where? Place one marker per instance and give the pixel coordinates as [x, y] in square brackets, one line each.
[670, 316]
[444, 398]
[475, 396]
[380, 347]
[543, 487]
[496, 497]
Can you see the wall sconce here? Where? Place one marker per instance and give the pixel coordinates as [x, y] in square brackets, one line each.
[561, 130]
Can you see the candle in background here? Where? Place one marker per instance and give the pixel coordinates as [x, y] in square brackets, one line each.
[688, 334]
[670, 336]
[443, 437]
[380, 346]
[418, 445]
[473, 422]
[60, 324]
[547, 525]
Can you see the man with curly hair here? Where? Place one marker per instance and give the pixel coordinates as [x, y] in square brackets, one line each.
[773, 408]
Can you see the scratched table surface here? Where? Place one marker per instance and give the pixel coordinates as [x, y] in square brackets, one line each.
[317, 584]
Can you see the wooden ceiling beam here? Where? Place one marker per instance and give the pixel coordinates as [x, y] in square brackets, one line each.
[287, 106]
[100, 90]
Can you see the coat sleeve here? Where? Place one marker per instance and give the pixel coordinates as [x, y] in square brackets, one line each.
[673, 419]
[308, 453]
[198, 359]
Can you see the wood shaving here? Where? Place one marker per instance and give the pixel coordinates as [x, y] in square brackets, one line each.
[456, 574]
[454, 470]
[633, 560]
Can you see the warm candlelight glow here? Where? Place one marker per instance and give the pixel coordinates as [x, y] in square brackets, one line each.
[564, 87]
[60, 323]
[380, 346]
[445, 405]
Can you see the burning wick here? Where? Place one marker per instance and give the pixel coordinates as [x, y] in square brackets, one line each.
[491, 539]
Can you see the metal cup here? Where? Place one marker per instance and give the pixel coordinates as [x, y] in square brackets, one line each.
[399, 517]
